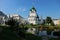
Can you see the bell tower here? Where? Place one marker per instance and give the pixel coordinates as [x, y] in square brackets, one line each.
[33, 17]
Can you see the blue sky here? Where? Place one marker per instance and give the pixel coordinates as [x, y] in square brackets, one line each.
[44, 7]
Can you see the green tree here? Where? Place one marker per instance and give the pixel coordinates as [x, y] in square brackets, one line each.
[49, 21]
[52, 23]
[11, 22]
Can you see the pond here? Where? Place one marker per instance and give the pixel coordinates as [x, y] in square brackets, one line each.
[43, 33]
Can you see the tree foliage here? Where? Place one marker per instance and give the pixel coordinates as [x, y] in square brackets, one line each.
[13, 25]
[11, 22]
[49, 21]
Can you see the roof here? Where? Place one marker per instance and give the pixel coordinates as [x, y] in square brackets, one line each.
[33, 9]
[2, 14]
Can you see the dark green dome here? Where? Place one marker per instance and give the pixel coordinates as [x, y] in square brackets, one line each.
[33, 9]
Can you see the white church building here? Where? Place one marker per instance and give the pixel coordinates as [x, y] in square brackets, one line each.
[33, 17]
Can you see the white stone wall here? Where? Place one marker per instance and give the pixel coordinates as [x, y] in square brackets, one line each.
[33, 14]
[56, 22]
[32, 20]
[2, 20]
[20, 19]
[15, 16]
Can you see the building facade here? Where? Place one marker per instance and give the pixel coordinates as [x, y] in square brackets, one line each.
[3, 18]
[33, 17]
[56, 21]
[17, 17]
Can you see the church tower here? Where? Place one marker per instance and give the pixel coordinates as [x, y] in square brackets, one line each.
[33, 18]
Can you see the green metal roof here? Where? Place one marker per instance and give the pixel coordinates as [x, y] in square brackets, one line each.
[33, 9]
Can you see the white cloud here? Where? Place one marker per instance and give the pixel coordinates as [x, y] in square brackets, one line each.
[21, 9]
